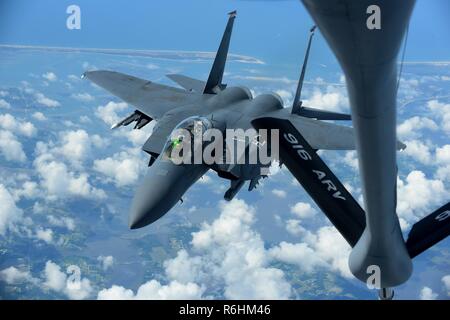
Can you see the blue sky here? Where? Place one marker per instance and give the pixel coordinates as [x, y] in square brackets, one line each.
[271, 30]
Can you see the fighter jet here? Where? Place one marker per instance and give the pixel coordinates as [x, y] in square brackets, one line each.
[368, 59]
[212, 104]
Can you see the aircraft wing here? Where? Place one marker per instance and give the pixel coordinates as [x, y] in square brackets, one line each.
[319, 134]
[148, 97]
[188, 83]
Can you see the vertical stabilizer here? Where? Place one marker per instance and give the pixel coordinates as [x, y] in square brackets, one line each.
[214, 83]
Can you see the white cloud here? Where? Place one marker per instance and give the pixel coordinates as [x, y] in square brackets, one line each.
[286, 96]
[279, 193]
[45, 101]
[108, 112]
[4, 104]
[39, 116]
[50, 76]
[12, 275]
[153, 290]
[58, 180]
[411, 128]
[45, 235]
[29, 190]
[351, 160]
[326, 248]
[63, 222]
[333, 99]
[232, 252]
[417, 195]
[299, 254]
[83, 97]
[124, 168]
[303, 210]
[8, 122]
[106, 261]
[443, 111]
[75, 145]
[9, 213]
[419, 151]
[443, 154]
[446, 282]
[294, 227]
[427, 294]
[73, 287]
[10, 148]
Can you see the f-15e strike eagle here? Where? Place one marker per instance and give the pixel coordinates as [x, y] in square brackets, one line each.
[367, 55]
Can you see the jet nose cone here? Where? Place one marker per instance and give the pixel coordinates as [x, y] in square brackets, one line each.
[150, 202]
[162, 187]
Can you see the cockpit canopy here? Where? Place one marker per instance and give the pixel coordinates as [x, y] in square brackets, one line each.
[182, 137]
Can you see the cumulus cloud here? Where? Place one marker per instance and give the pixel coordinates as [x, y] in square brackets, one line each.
[50, 76]
[58, 180]
[39, 116]
[13, 275]
[10, 147]
[83, 97]
[45, 101]
[106, 262]
[446, 282]
[124, 168]
[10, 214]
[332, 99]
[73, 286]
[299, 254]
[4, 104]
[303, 210]
[417, 196]
[10, 123]
[62, 222]
[427, 294]
[235, 254]
[325, 248]
[419, 151]
[153, 290]
[108, 112]
[228, 255]
[294, 227]
[45, 235]
[74, 145]
[411, 128]
[279, 193]
[442, 110]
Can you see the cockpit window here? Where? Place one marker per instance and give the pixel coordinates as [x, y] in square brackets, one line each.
[179, 146]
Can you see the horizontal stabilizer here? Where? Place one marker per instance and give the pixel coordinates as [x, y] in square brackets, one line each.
[429, 231]
[190, 84]
[322, 114]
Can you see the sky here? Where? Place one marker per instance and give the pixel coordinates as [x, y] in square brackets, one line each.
[270, 31]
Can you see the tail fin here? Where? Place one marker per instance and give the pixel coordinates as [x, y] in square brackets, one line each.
[297, 105]
[214, 83]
